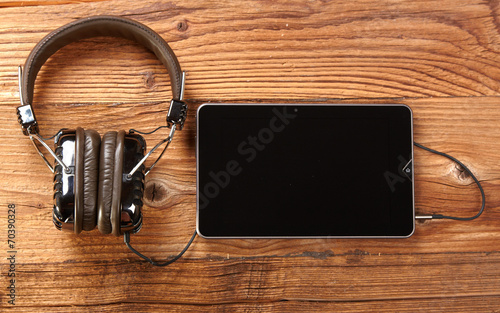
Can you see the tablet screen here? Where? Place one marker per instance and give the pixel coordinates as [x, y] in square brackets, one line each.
[304, 171]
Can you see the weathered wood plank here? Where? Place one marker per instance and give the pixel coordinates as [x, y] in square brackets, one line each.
[282, 50]
[440, 58]
[356, 276]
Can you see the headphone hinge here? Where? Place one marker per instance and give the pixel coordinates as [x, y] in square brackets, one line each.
[26, 119]
[177, 113]
[25, 114]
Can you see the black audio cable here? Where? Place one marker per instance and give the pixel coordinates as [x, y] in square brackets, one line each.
[126, 239]
[483, 197]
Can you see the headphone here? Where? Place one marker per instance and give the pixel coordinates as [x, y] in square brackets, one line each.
[98, 181]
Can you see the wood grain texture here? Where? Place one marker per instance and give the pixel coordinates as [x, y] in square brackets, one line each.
[439, 57]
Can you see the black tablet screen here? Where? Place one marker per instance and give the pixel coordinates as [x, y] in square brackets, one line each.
[304, 170]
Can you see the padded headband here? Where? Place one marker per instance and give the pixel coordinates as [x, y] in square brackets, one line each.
[110, 26]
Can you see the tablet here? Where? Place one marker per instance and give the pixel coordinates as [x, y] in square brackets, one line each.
[294, 171]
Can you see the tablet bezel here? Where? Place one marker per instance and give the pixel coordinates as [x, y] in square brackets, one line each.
[409, 165]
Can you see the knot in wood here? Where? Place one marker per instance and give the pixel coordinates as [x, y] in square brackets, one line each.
[182, 26]
[460, 173]
[156, 193]
[149, 80]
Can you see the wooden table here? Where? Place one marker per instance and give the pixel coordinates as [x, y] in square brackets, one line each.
[439, 57]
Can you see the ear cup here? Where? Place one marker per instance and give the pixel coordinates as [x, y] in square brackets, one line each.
[90, 178]
[78, 180]
[87, 144]
[110, 181]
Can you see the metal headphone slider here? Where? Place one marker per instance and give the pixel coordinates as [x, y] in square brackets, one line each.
[177, 112]
[25, 114]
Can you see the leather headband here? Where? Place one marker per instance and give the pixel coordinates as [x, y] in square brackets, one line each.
[96, 26]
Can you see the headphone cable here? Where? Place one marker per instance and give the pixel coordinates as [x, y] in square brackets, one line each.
[126, 239]
[483, 197]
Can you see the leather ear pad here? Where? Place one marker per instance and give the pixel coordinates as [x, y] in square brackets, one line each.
[110, 181]
[87, 144]
[90, 179]
[78, 180]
